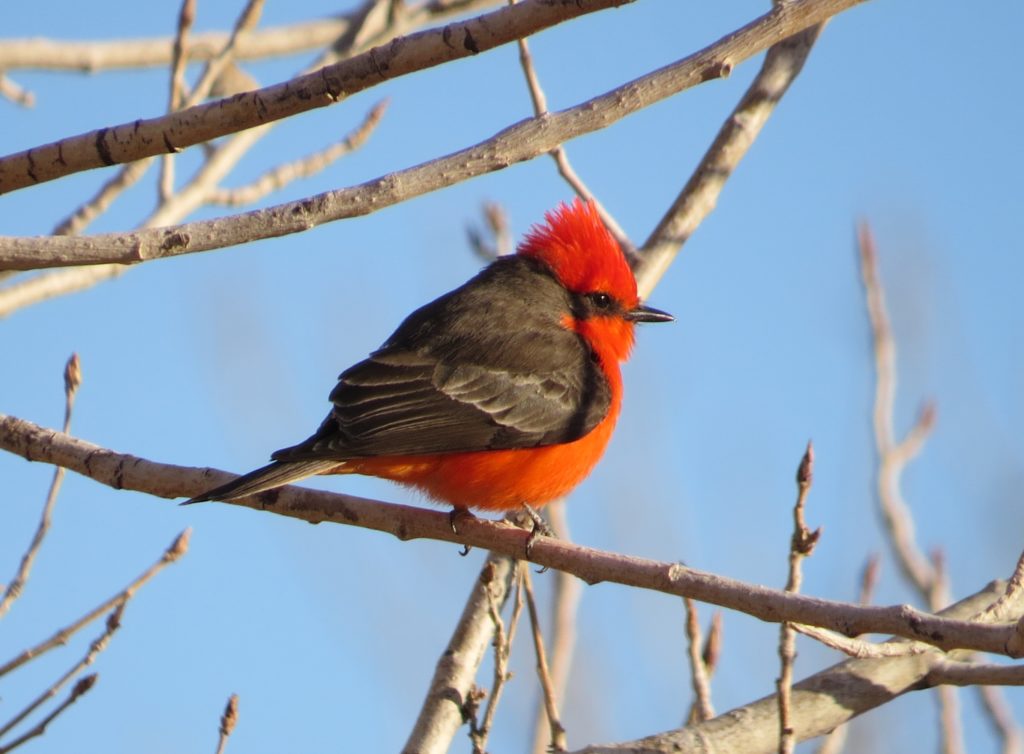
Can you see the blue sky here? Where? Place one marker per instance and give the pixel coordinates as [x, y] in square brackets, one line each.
[906, 115]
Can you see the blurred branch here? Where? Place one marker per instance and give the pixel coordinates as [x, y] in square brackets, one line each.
[926, 576]
[9, 89]
[519, 142]
[124, 471]
[444, 709]
[81, 688]
[701, 708]
[282, 175]
[699, 196]
[98, 645]
[500, 241]
[93, 57]
[179, 60]
[556, 731]
[173, 553]
[228, 721]
[1000, 716]
[72, 379]
[565, 599]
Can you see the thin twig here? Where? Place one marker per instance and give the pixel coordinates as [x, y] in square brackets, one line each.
[282, 175]
[926, 576]
[801, 545]
[445, 708]
[500, 241]
[869, 579]
[502, 651]
[558, 154]
[100, 202]
[173, 553]
[822, 701]
[228, 720]
[10, 89]
[557, 731]
[859, 648]
[565, 599]
[701, 707]
[893, 456]
[72, 379]
[80, 689]
[179, 60]
[99, 644]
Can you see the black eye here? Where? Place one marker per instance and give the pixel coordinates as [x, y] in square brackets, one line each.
[601, 300]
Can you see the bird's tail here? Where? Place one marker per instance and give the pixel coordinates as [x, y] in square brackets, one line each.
[272, 475]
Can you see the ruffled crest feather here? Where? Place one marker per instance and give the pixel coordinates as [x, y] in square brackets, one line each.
[581, 252]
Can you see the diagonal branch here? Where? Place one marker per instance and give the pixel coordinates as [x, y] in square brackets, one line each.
[820, 702]
[699, 196]
[522, 141]
[126, 142]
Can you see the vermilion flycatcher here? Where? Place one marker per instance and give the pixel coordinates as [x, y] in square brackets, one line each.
[500, 394]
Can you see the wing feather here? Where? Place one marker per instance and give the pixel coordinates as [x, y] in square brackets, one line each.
[470, 371]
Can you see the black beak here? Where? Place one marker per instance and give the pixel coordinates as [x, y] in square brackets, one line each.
[648, 314]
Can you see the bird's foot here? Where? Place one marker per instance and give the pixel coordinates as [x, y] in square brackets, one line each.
[454, 516]
[540, 529]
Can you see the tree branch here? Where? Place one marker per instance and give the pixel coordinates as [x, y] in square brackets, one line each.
[175, 131]
[123, 471]
[522, 141]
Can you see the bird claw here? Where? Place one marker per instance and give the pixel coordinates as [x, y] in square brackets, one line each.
[454, 516]
[540, 529]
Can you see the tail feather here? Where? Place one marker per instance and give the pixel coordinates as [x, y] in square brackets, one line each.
[272, 475]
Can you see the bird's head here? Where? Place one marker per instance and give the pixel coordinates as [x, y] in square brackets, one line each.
[587, 260]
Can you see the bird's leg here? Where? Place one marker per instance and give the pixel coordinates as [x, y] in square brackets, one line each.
[540, 529]
[454, 516]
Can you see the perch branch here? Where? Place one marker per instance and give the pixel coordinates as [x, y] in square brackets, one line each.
[124, 471]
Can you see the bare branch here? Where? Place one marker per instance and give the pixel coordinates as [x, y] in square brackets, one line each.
[565, 599]
[699, 196]
[801, 545]
[701, 707]
[9, 89]
[407, 522]
[912, 562]
[179, 60]
[520, 142]
[556, 730]
[72, 379]
[444, 708]
[113, 623]
[282, 175]
[81, 688]
[820, 702]
[330, 85]
[178, 548]
[1000, 716]
[502, 651]
[228, 720]
[558, 154]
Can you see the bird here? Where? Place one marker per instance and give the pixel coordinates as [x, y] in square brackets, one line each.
[501, 394]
